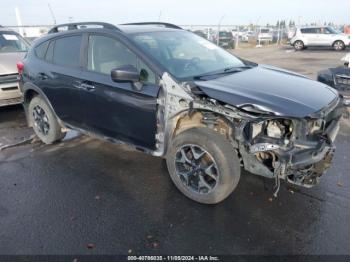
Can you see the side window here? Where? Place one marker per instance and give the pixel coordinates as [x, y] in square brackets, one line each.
[40, 50]
[67, 51]
[105, 54]
[309, 30]
[327, 31]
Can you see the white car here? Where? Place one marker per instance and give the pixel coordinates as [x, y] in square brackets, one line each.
[319, 36]
[264, 35]
[12, 50]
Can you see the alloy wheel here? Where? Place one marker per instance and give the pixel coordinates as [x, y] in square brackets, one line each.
[338, 46]
[298, 45]
[197, 169]
[41, 120]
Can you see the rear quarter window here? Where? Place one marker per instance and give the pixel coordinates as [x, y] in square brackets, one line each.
[67, 51]
[41, 49]
[49, 52]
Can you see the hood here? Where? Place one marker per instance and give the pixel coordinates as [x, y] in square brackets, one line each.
[276, 90]
[8, 62]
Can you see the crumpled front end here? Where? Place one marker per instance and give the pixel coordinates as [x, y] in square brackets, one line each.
[296, 150]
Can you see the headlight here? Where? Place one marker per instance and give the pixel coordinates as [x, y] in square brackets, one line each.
[316, 126]
[274, 130]
[277, 128]
[342, 80]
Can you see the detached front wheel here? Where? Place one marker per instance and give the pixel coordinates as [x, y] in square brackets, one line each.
[203, 165]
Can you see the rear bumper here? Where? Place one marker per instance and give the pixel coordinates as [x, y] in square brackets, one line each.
[10, 94]
[12, 101]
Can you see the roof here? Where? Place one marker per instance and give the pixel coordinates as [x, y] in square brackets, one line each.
[312, 26]
[134, 29]
[4, 29]
[125, 28]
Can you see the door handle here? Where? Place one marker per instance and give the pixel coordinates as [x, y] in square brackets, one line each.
[87, 87]
[77, 84]
[42, 76]
[84, 86]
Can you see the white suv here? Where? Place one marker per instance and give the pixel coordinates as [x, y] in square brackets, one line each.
[319, 36]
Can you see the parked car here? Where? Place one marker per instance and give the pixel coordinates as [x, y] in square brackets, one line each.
[12, 49]
[338, 78]
[321, 37]
[264, 35]
[247, 35]
[200, 33]
[225, 39]
[168, 92]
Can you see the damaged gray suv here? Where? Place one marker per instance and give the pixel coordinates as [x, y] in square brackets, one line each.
[170, 93]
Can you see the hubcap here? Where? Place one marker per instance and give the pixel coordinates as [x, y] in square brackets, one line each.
[41, 121]
[338, 46]
[298, 45]
[197, 169]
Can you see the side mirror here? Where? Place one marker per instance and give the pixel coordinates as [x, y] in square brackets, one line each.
[126, 73]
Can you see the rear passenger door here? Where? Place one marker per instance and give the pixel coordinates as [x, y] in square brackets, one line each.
[311, 35]
[58, 78]
[118, 110]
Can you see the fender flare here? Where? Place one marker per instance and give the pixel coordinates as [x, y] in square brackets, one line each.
[337, 40]
[26, 88]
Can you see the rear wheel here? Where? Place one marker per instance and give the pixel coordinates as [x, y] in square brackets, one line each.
[339, 45]
[299, 45]
[44, 121]
[203, 165]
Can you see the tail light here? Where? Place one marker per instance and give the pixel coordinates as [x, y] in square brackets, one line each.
[20, 67]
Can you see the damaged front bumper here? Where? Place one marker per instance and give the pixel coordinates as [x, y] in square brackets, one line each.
[301, 160]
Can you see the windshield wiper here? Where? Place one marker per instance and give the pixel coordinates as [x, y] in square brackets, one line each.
[228, 70]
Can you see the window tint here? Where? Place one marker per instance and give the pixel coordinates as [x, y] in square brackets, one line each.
[40, 50]
[105, 54]
[67, 51]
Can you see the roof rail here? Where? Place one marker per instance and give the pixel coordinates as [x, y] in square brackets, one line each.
[167, 25]
[74, 26]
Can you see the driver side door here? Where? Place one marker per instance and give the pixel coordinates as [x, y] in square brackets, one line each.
[116, 109]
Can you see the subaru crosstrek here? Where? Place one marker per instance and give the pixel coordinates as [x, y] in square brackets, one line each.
[173, 94]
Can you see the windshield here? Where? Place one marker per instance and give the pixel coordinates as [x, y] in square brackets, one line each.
[186, 55]
[224, 34]
[12, 42]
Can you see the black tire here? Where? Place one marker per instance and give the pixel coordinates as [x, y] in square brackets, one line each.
[299, 45]
[223, 155]
[53, 131]
[339, 45]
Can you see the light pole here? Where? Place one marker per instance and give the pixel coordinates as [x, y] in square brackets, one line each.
[219, 25]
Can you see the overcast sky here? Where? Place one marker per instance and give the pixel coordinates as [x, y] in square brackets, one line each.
[182, 12]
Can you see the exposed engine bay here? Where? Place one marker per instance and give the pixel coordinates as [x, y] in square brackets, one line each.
[296, 150]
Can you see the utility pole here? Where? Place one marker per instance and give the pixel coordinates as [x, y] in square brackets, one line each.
[19, 21]
[219, 25]
[52, 14]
